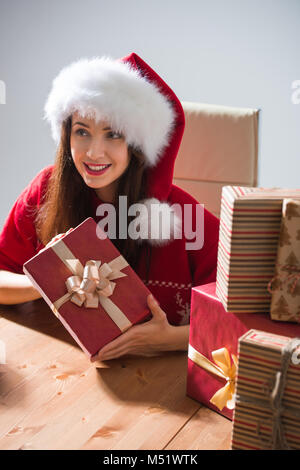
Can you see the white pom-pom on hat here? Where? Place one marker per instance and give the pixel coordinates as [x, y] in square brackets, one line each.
[158, 222]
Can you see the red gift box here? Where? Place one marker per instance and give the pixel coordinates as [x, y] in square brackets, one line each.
[89, 286]
[211, 330]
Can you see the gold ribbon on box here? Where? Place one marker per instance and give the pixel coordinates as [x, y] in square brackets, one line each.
[222, 368]
[91, 285]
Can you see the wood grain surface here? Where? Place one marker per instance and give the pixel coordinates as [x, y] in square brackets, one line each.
[52, 397]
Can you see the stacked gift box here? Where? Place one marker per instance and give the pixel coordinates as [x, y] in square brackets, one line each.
[250, 221]
[257, 288]
[213, 331]
[267, 410]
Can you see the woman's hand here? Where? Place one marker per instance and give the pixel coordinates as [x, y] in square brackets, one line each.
[146, 339]
[57, 237]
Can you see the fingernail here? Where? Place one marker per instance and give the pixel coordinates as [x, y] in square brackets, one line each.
[101, 355]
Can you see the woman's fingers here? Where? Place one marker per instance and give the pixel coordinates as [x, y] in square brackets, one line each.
[117, 347]
[146, 339]
[58, 237]
[156, 311]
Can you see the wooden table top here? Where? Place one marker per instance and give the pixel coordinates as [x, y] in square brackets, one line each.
[52, 397]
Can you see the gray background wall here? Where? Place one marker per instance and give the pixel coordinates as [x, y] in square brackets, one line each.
[234, 52]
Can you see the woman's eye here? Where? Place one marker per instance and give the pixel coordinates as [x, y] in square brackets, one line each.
[81, 132]
[114, 135]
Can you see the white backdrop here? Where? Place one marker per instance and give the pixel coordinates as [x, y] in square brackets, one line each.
[234, 52]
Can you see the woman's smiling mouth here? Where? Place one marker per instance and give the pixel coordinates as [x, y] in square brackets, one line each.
[96, 169]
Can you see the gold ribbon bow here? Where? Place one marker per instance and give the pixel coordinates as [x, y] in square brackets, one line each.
[92, 284]
[222, 368]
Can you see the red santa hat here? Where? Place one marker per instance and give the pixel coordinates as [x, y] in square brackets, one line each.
[114, 91]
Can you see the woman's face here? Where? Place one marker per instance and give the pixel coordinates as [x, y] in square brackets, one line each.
[99, 154]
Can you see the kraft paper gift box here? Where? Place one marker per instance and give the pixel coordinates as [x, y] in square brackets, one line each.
[267, 412]
[89, 286]
[213, 347]
[250, 220]
[285, 286]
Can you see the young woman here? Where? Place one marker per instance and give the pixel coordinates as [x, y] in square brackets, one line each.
[118, 127]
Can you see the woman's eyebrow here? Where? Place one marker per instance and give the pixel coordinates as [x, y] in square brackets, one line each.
[85, 125]
[80, 123]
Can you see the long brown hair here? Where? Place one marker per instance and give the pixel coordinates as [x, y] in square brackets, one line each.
[67, 201]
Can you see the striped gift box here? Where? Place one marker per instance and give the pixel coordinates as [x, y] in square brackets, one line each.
[250, 220]
[267, 410]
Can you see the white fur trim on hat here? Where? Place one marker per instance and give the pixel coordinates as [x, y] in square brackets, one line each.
[158, 222]
[111, 90]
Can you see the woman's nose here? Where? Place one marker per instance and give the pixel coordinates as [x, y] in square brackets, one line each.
[97, 148]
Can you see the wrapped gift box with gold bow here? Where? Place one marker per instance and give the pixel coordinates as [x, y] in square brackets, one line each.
[267, 411]
[213, 347]
[89, 286]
